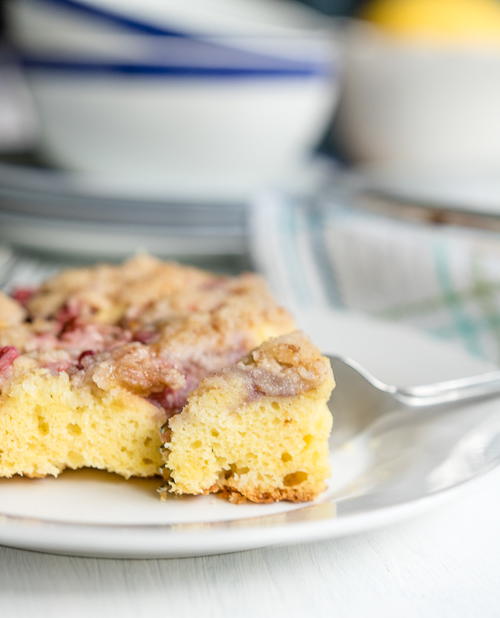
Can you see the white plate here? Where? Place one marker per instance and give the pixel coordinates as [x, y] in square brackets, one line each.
[404, 464]
[65, 213]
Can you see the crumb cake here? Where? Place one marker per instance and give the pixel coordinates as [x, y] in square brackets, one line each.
[257, 430]
[95, 360]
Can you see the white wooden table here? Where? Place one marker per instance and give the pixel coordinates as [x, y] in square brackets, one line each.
[445, 564]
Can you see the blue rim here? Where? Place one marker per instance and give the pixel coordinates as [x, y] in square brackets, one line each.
[117, 19]
[220, 54]
[123, 68]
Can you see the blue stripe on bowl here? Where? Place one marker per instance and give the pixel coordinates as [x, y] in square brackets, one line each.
[188, 52]
[117, 18]
[212, 51]
[124, 68]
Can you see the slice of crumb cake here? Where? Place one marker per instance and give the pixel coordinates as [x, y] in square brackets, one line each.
[95, 360]
[257, 430]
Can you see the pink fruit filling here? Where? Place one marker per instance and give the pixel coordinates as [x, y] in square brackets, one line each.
[23, 294]
[173, 400]
[8, 355]
[107, 354]
[263, 383]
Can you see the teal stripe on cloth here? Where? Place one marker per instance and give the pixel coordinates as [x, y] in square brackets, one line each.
[475, 327]
[463, 324]
[486, 293]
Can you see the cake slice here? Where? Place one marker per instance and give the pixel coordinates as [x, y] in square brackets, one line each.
[257, 430]
[95, 360]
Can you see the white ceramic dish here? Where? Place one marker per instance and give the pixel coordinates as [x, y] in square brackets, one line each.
[419, 103]
[205, 131]
[399, 467]
[58, 212]
[237, 103]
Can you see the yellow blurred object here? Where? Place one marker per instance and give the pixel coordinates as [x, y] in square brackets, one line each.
[439, 20]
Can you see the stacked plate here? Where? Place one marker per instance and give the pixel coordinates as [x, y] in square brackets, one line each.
[69, 213]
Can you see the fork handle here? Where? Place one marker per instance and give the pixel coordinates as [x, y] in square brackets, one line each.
[462, 389]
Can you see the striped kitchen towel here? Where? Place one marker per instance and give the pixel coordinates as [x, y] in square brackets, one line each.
[445, 280]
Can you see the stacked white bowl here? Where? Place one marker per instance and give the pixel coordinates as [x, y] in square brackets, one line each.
[223, 95]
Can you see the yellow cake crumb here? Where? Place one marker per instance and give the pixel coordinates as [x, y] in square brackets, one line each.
[47, 425]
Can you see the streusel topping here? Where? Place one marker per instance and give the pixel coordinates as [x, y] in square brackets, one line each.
[283, 367]
[153, 327]
[11, 312]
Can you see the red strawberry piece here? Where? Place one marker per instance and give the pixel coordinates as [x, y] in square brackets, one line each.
[8, 355]
[23, 295]
[83, 355]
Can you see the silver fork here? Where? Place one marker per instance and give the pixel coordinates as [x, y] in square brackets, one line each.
[360, 398]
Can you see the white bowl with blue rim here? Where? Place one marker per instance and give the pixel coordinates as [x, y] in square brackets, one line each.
[224, 128]
[226, 113]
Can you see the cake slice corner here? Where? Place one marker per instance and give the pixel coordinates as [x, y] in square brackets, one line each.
[257, 430]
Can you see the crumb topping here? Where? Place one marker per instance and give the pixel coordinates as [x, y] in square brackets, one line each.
[11, 312]
[155, 328]
[107, 294]
[283, 367]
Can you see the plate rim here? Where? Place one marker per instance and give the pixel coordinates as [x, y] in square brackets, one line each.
[195, 543]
